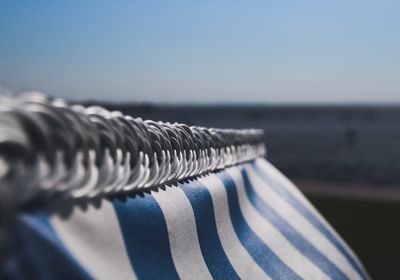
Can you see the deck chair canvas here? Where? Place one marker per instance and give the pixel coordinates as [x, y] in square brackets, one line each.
[99, 195]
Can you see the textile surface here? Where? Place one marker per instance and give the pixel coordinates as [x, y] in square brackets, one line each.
[246, 222]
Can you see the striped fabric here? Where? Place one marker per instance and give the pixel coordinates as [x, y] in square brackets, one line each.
[247, 222]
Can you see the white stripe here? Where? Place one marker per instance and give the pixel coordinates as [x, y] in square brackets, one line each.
[182, 234]
[94, 238]
[300, 223]
[284, 182]
[272, 237]
[239, 257]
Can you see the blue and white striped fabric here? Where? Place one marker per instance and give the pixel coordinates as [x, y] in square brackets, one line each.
[247, 222]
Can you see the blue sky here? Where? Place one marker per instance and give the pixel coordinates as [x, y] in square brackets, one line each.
[203, 51]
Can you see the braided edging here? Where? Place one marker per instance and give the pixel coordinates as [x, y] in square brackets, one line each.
[50, 148]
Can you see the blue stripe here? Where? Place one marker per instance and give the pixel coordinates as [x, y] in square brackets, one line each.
[310, 217]
[36, 252]
[146, 237]
[297, 240]
[210, 244]
[261, 253]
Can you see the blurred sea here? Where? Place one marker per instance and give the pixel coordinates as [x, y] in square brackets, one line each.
[356, 144]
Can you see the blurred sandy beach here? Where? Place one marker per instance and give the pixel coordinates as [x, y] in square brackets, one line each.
[366, 217]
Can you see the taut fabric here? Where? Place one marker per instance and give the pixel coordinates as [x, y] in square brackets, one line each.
[245, 222]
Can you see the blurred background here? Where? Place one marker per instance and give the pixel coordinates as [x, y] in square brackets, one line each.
[320, 77]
